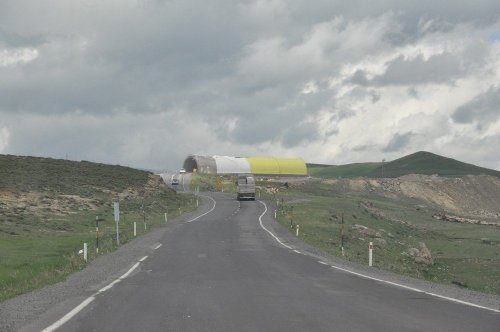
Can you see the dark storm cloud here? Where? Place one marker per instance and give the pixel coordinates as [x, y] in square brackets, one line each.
[238, 67]
[398, 142]
[484, 108]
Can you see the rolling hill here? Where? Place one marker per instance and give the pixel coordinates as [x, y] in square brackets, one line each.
[421, 162]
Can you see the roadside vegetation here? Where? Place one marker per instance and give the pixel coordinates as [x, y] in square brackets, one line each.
[408, 238]
[48, 209]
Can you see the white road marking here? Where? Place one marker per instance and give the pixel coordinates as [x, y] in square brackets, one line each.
[102, 290]
[264, 228]
[126, 274]
[82, 305]
[381, 280]
[85, 303]
[69, 315]
[321, 262]
[298, 252]
[201, 215]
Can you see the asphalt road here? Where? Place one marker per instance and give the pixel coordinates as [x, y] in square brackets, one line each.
[183, 178]
[224, 272]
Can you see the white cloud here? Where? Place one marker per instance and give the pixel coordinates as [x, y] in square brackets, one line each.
[15, 57]
[147, 82]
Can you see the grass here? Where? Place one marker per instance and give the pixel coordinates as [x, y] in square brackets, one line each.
[40, 247]
[460, 254]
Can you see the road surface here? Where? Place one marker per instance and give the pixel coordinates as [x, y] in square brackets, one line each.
[224, 272]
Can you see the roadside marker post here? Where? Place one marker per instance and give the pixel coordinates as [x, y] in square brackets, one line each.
[97, 234]
[197, 202]
[85, 251]
[297, 230]
[135, 229]
[342, 235]
[274, 214]
[116, 208]
[370, 254]
[166, 218]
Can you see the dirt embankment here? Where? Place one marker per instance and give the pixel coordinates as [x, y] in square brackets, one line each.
[474, 195]
[40, 203]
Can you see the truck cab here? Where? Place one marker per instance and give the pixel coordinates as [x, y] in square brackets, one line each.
[245, 187]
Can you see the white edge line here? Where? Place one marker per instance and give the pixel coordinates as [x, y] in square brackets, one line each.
[69, 315]
[126, 274]
[264, 228]
[86, 302]
[158, 246]
[298, 252]
[381, 280]
[102, 290]
[201, 215]
[321, 262]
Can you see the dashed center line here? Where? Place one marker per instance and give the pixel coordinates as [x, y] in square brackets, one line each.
[158, 246]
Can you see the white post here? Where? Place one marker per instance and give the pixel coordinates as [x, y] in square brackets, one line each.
[116, 207]
[370, 254]
[274, 214]
[135, 229]
[166, 217]
[197, 202]
[297, 230]
[85, 251]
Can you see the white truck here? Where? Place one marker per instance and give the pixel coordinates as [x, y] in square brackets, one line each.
[245, 187]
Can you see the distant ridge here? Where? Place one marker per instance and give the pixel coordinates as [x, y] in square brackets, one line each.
[421, 162]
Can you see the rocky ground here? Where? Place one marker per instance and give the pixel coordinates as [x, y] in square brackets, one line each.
[474, 196]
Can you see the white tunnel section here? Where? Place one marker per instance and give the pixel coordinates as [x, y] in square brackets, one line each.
[231, 165]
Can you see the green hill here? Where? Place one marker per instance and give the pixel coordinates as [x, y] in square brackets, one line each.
[417, 163]
[65, 176]
[343, 171]
[48, 209]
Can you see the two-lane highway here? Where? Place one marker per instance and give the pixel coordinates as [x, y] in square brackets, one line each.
[224, 272]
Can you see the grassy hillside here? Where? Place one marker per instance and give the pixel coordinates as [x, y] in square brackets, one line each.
[48, 209]
[417, 163]
[344, 171]
[70, 177]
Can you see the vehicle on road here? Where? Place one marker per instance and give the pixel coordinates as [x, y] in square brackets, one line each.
[245, 187]
[175, 182]
[182, 170]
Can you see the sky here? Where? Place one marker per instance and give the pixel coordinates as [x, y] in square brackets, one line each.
[145, 83]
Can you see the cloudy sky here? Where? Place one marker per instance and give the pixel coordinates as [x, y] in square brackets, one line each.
[147, 82]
